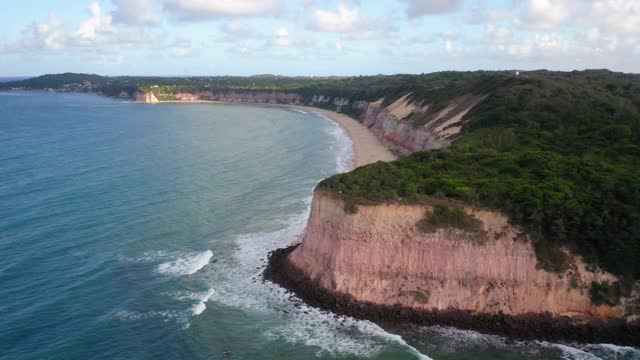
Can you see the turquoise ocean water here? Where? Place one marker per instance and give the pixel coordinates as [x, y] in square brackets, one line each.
[131, 231]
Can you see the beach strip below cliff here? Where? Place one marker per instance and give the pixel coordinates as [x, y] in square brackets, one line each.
[367, 147]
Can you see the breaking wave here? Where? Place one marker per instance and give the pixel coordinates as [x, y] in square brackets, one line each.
[186, 265]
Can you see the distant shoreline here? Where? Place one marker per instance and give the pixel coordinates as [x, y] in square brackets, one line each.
[367, 148]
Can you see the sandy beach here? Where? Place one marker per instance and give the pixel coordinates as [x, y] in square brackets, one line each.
[366, 146]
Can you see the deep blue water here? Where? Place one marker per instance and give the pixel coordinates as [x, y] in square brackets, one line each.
[132, 231]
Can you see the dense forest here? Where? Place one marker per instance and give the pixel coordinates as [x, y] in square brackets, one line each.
[559, 152]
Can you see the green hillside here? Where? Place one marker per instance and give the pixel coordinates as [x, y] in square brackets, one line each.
[558, 152]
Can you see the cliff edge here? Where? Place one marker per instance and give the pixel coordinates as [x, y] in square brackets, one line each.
[378, 258]
[146, 97]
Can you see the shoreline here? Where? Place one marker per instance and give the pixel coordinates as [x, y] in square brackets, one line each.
[528, 327]
[367, 148]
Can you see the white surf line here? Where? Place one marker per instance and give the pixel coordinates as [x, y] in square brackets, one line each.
[200, 307]
[186, 265]
[571, 353]
[398, 339]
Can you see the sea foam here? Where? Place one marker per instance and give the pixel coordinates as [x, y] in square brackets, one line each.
[186, 265]
[200, 307]
[345, 158]
[238, 284]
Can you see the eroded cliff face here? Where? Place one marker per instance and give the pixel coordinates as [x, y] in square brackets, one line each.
[259, 97]
[378, 255]
[146, 97]
[395, 124]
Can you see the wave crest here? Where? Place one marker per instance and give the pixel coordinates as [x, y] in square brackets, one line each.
[186, 265]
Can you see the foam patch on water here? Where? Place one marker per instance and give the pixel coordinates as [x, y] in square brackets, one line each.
[343, 145]
[299, 111]
[452, 340]
[167, 315]
[186, 265]
[238, 284]
[597, 351]
[201, 306]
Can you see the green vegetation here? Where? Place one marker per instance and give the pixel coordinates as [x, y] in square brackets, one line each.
[445, 216]
[558, 152]
[604, 294]
[350, 208]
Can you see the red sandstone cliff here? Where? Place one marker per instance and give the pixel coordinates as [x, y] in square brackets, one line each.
[377, 255]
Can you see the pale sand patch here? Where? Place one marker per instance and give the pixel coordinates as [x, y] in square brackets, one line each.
[471, 101]
[400, 108]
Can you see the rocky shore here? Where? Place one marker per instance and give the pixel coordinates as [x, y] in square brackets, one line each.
[524, 327]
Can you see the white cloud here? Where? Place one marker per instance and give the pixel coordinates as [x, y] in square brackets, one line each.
[418, 8]
[180, 48]
[49, 35]
[347, 21]
[344, 20]
[617, 16]
[498, 34]
[96, 30]
[136, 12]
[551, 43]
[282, 38]
[96, 33]
[194, 10]
[544, 14]
[593, 34]
[236, 30]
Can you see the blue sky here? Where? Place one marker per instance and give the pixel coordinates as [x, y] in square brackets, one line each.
[309, 37]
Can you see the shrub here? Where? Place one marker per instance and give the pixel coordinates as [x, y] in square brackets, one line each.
[445, 216]
[604, 294]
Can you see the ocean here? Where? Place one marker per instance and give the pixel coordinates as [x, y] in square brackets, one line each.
[132, 231]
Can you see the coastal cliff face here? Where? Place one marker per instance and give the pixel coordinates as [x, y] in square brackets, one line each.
[258, 97]
[146, 97]
[377, 255]
[394, 124]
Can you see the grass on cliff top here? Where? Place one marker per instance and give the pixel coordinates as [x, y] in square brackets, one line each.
[559, 155]
[448, 216]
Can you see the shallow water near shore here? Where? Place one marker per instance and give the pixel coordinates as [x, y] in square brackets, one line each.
[134, 231]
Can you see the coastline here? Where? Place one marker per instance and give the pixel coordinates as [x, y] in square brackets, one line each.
[528, 327]
[367, 148]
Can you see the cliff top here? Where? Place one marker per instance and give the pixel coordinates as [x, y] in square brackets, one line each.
[557, 152]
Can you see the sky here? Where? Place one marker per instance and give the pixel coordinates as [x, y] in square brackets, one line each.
[315, 38]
